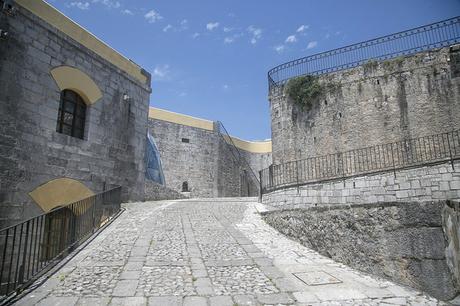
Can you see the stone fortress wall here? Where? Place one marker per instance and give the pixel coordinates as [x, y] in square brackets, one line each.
[390, 222]
[45, 53]
[193, 151]
[376, 103]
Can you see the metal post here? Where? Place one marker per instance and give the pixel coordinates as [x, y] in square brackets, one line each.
[450, 152]
[260, 186]
[393, 161]
[297, 175]
[21, 271]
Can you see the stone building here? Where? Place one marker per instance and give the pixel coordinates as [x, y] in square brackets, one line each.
[73, 114]
[202, 161]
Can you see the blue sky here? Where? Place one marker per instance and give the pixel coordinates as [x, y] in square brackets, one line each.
[210, 58]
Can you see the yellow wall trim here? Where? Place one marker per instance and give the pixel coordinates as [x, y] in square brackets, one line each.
[59, 192]
[71, 78]
[253, 146]
[161, 114]
[67, 26]
[249, 146]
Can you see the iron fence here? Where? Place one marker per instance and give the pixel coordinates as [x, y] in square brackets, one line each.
[249, 182]
[32, 247]
[386, 157]
[431, 36]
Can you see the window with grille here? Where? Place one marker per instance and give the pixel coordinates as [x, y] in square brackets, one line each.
[71, 115]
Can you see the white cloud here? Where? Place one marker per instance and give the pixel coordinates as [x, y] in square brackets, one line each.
[327, 36]
[212, 25]
[80, 5]
[225, 87]
[232, 38]
[312, 44]
[226, 29]
[291, 39]
[184, 25]
[152, 16]
[256, 34]
[195, 35]
[161, 73]
[108, 3]
[279, 48]
[302, 28]
[127, 12]
[167, 28]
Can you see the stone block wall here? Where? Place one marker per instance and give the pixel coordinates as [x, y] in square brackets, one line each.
[194, 162]
[158, 192]
[204, 160]
[435, 182]
[376, 103]
[31, 151]
[404, 242]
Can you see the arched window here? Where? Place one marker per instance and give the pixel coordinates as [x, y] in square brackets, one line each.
[71, 115]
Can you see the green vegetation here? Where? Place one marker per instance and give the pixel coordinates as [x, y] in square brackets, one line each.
[304, 90]
[394, 63]
[371, 64]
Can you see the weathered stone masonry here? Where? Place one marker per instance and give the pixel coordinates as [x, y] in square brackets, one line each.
[376, 103]
[201, 158]
[31, 151]
[435, 182]
[401, 241]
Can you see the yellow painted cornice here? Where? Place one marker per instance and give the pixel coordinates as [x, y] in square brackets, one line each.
[70, 28]
[161, 114]
[249, 146]
[253, 146]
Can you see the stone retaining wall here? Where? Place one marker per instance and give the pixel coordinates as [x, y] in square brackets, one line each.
[435, 182]
[157, 192]
[404, 242]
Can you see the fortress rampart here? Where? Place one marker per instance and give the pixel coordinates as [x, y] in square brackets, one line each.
[376, 103]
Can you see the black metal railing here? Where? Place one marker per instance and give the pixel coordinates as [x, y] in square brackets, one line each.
[432, 36]
[32, 247]
[386, 157]
[249, 182]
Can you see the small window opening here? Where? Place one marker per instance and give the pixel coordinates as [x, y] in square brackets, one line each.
[325, 102]
[185, 187]
[186, 140]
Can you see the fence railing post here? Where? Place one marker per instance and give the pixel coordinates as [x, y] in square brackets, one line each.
[393, 160]
[450, 151]
[22, 268]
[260, 186]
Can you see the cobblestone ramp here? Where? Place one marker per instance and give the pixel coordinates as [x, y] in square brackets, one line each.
[207, 253]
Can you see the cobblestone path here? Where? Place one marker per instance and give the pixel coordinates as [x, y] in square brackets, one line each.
[207, 252]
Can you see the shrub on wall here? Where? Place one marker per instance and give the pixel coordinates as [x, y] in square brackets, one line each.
[304, 90]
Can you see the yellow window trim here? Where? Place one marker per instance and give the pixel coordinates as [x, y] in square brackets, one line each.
[67, 77]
